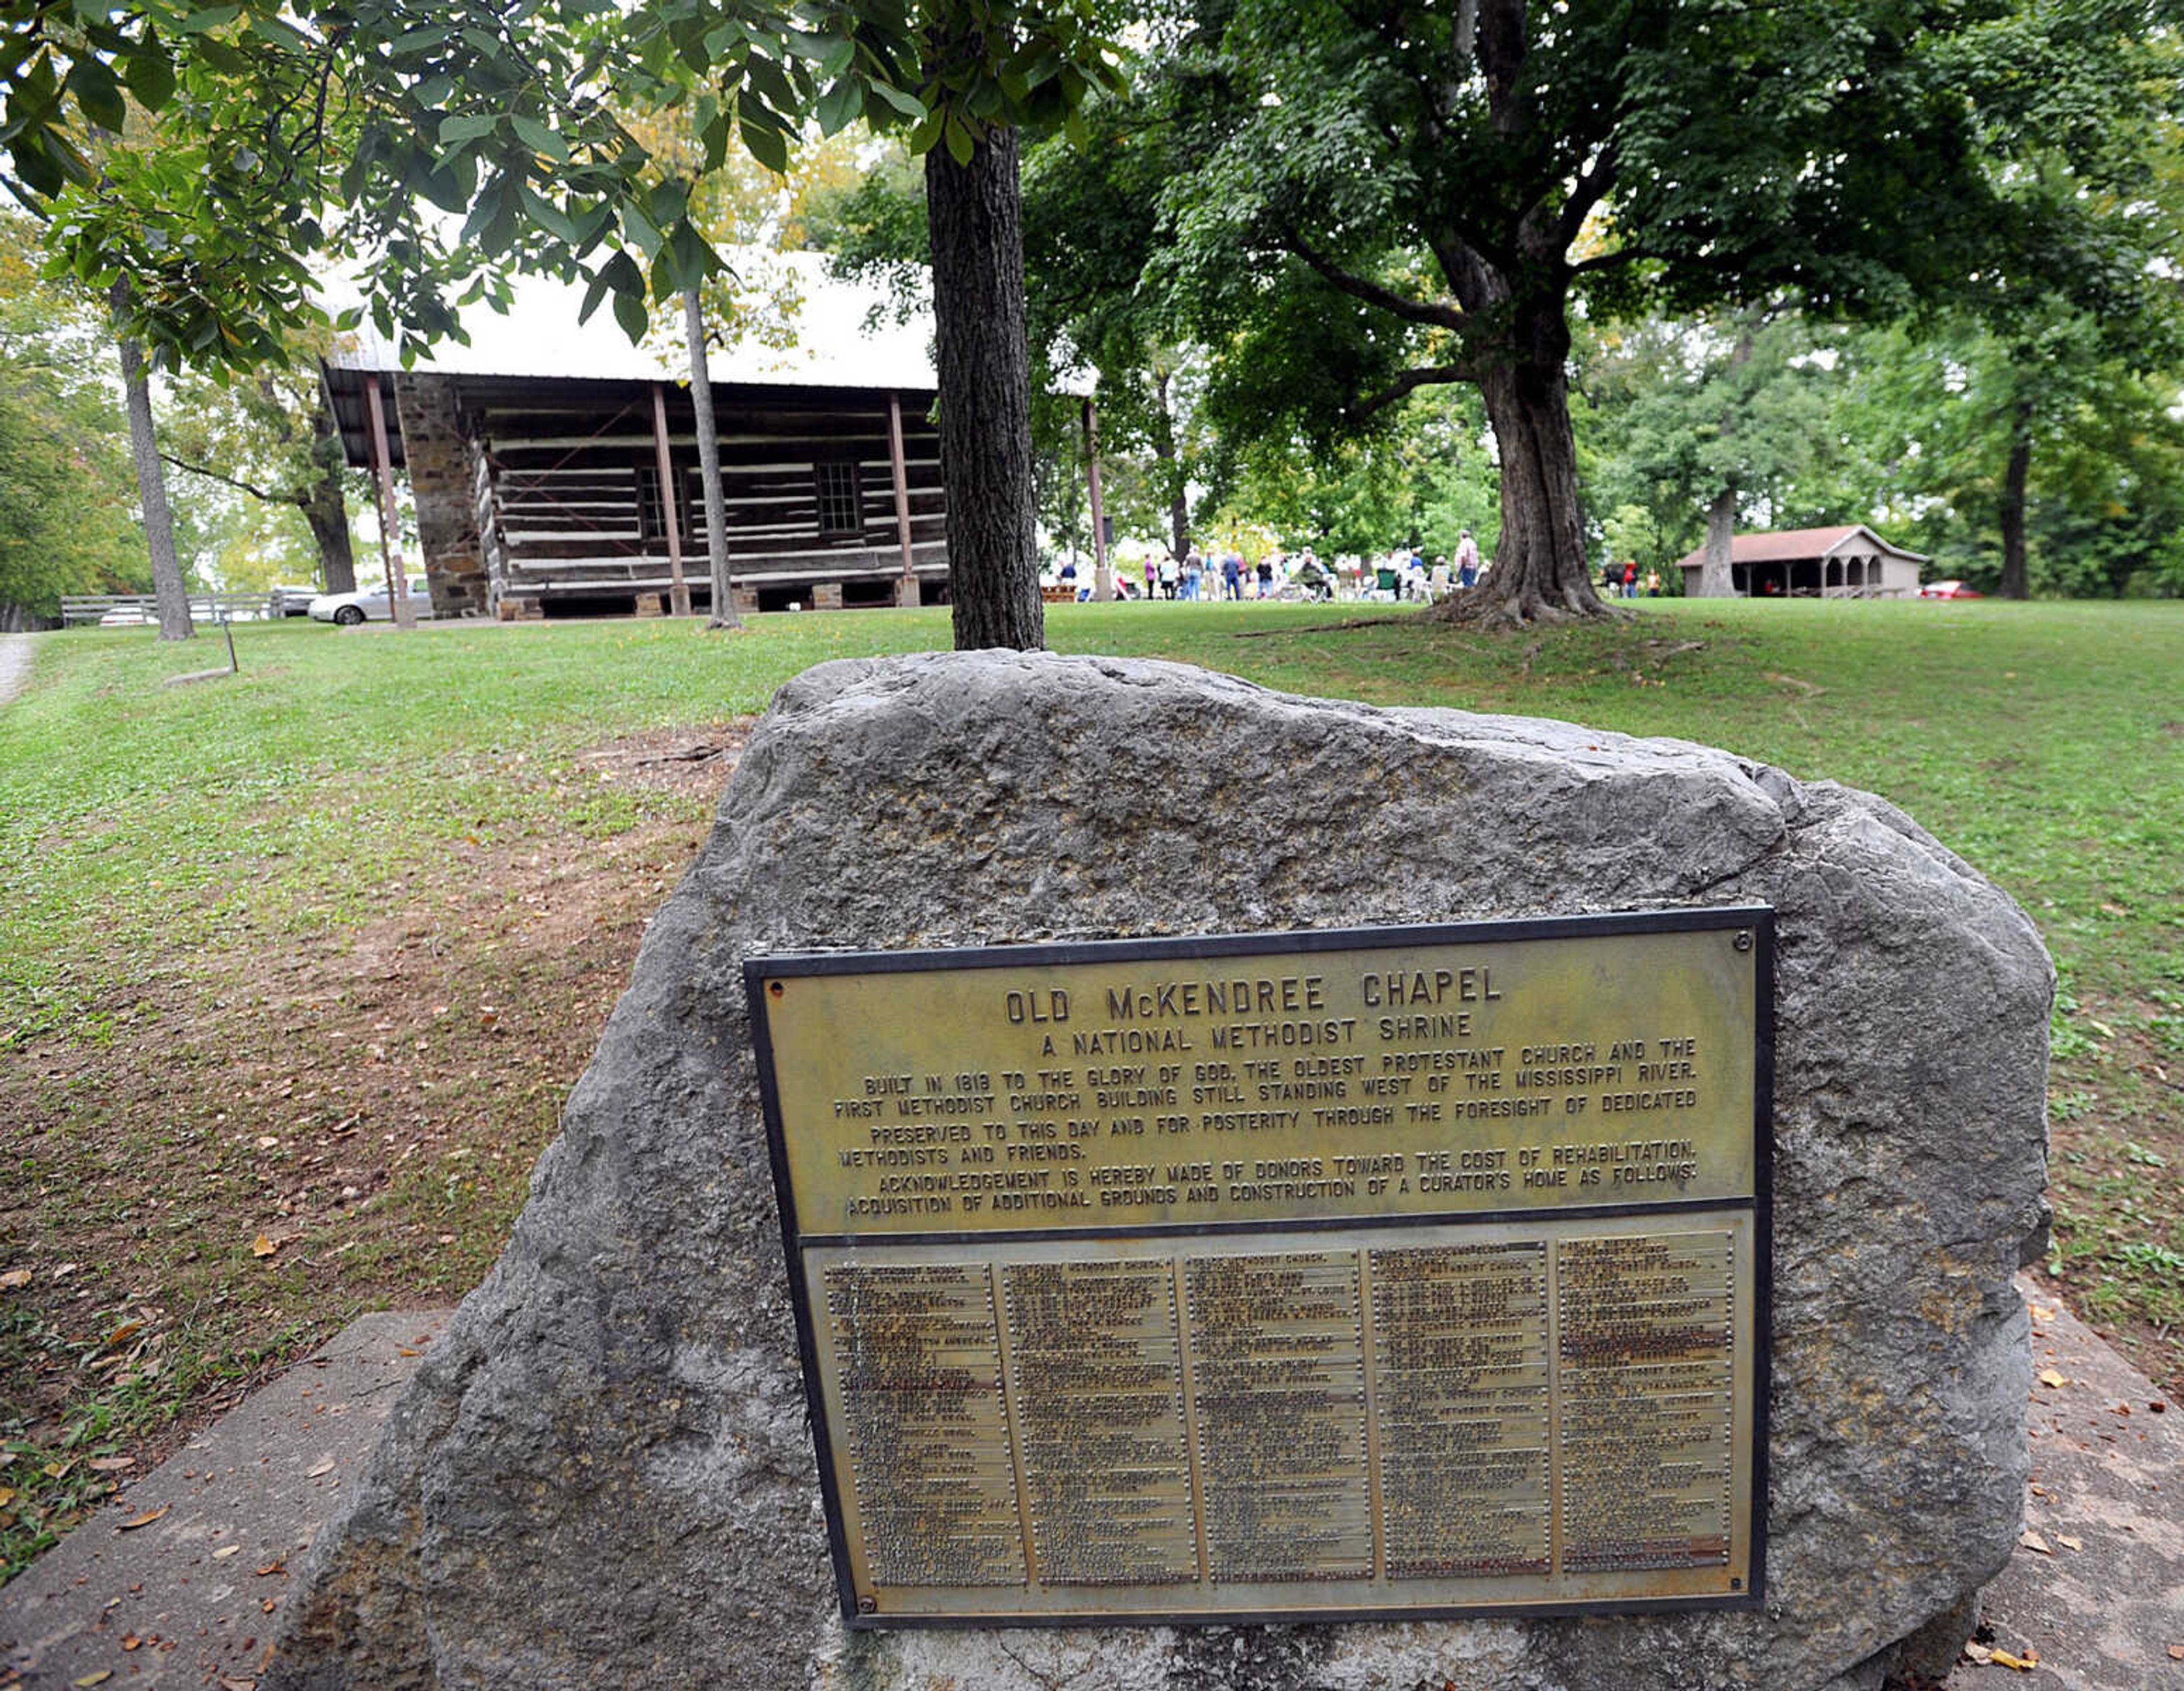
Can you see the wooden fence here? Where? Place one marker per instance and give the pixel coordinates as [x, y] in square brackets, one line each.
[204, 607]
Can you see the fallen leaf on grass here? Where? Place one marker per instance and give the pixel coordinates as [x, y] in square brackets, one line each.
[226, 1550]
[98, 1679]
[2069, 1543]
[15, 1278]
[325, 1467]
[132, 1642]
[7, 1496]
[2032, 1541]
[112, 1465]
[272, 1568]
[144, 1519]
[263, 1246]
[2048, 1376]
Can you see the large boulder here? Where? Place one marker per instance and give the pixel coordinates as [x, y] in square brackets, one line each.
[603, 1475]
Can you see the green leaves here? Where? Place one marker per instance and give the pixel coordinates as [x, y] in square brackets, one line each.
[539, 138]
[901, 103]
[93, 88]
[961, 143]
[684, 261]
[619, 276]
[250, 124]
[549, 216]
[459, 129]
[840, 106]
[767, 138]
[149, 73]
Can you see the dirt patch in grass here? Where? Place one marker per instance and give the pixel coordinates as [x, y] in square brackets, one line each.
[225, 1163]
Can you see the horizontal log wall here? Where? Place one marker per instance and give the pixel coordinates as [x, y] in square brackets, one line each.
[563, 490]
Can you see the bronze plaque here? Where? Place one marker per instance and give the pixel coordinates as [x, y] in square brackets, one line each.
[1305, 1276]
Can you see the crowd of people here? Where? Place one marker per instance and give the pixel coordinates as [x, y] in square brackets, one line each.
[1224, 573]
[1621, 580]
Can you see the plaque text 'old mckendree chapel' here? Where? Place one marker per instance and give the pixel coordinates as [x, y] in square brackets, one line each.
[1304, 1276]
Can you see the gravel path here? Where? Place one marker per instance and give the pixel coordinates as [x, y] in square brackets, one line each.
[14, 665]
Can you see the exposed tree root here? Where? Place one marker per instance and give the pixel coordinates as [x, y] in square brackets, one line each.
[1479, 611]
[1316, 627]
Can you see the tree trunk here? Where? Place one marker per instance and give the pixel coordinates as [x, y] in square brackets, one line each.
[1717, 576]
[984, 360]
[709, 466]
[1716, 580]
[1541, 571]
[2016, 582]
[1171, 470]
[1103, 569]
[152, 490]
[325, 508]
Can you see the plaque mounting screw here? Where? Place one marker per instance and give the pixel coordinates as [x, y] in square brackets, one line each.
[1742, 942]
[868, 1605]
[774, 988]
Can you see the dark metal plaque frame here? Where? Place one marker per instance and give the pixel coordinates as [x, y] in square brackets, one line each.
[1758, 920]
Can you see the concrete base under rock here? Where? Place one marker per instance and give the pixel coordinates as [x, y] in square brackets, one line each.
[604, 1475]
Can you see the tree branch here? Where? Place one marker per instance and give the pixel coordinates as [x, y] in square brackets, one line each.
[1601, 261]
[1592, 186]
[1408, 382]
[255, 492]
[1428, 311]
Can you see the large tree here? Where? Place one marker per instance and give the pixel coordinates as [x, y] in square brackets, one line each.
[270, 436]
[1715, 422]
[1381, 197]
[66, 491]
[2057, 472]
[1090, 226]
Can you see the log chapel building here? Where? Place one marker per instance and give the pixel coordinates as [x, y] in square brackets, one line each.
[554, 467]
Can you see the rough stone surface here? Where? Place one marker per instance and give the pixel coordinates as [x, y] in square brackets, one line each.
[603, 1476]
[443, 485]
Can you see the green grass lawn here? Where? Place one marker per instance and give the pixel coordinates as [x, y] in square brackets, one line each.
[166, 853]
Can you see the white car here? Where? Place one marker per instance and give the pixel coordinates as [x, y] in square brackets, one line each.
[348, 609]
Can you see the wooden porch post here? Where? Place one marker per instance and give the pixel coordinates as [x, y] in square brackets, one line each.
[1103, 576]
[390, 554]
[678, 589]
[906, 594]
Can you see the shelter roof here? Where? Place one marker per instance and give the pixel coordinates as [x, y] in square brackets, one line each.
[1796, 545]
